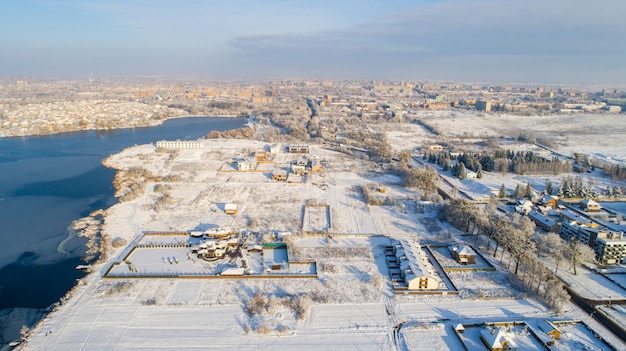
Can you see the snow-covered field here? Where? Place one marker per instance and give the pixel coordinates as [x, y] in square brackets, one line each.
[349, 306]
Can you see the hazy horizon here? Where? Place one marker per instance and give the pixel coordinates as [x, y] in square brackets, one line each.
[559, 42]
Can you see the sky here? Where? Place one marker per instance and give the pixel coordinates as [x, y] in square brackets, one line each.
[523, 41]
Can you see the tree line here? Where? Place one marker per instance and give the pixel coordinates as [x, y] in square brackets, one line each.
[513, 239]
[520, 162]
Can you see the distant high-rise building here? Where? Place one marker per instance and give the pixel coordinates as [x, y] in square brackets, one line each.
[483, 105]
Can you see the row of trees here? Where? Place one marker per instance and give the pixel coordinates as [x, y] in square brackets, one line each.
[575, 188]
[520, 162]
[616, 172]
[425, 179]
[513, 239]
[568, 189]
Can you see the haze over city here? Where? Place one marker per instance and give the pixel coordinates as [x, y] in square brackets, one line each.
[561, 41]
[286, 175]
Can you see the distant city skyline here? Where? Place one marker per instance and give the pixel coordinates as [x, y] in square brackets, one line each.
[530, 41]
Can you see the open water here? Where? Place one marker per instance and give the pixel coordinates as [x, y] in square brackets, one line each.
[46, 182]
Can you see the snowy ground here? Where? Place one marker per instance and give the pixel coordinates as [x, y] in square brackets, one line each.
[597, 135]
[350, 306]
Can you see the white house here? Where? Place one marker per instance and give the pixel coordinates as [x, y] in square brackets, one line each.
[496, 339]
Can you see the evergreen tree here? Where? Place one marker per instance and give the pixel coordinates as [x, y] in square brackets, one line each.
[462, 171]
[617, 191]
[560, 192]
[518, 191]
[502, 192]
[479, 172]
[549, 189]
[446, 164]
[609, 191]
[528, 192]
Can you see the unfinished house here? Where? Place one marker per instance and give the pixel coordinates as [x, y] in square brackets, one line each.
[275, 148]
[298, 170]
[410, 264]
[298, 149]
[261, 155]
[463, 254]
[246, 165]
[314, 163]
[279, 176]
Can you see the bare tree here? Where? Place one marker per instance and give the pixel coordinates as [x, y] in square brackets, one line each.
[555, 293]
[552, 245]
[578, 253]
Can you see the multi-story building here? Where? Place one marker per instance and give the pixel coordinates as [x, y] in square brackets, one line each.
[180, 144]
[609, 246]
[585, 232]
[483, 105]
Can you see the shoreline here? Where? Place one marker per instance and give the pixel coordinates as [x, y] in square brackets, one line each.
[99, 245]
[155, 123]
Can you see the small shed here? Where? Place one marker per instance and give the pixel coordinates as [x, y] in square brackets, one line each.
[230, 209]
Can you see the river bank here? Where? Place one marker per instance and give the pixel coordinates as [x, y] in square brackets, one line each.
[84, 116]
[61, 178]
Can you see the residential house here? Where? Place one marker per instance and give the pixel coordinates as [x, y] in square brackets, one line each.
[551, 330]
[589, 205]
[548, 201]
[497, 339]
[463, 254]
[212, 249]
[544, 223]
[523, 206]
